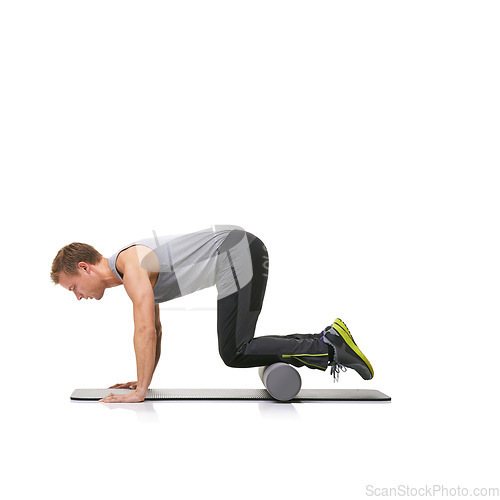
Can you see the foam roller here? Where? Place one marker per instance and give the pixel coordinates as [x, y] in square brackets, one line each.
[281, 380]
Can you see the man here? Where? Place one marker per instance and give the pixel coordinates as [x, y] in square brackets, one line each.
[155, 270]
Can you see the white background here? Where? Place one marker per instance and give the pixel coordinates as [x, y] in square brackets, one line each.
[358, 140]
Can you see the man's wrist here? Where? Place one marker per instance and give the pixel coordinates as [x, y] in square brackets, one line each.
[141, 391]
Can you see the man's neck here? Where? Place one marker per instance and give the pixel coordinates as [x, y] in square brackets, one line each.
[107, 275]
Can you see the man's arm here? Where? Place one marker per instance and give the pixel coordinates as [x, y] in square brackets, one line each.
[138, 288]
[140, 291]
[158, 335]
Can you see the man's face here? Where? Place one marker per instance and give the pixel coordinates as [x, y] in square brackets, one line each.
[86, 284]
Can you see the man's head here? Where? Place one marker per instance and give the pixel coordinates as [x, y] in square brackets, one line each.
[78, 267]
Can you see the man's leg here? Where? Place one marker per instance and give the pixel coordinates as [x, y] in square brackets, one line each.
[237, 316]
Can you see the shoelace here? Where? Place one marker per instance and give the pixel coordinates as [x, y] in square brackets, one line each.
[336, 369]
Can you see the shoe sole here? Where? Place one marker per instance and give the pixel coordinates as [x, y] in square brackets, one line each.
[346, 335]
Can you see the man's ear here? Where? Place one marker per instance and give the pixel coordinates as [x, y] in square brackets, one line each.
[84, 266]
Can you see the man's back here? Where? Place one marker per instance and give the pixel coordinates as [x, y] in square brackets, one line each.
[187, 262]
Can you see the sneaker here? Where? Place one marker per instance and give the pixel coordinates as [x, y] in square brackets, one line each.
[346, 352]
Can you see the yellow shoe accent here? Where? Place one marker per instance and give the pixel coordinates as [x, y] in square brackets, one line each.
[340, 327]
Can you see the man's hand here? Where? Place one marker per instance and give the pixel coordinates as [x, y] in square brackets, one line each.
[126, 385]
[131, 397]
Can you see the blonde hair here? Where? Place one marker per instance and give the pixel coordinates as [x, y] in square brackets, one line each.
[67, 259]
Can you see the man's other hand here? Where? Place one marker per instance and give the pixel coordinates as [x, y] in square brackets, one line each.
[126, 385]
[131, 397]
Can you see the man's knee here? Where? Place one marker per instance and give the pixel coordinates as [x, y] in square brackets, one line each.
[230, 357]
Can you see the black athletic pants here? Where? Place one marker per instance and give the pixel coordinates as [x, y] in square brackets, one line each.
[237, 316]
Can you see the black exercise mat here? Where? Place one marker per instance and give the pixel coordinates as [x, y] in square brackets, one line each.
[236, 394]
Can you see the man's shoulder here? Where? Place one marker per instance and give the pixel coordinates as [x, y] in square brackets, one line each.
[137, 255]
